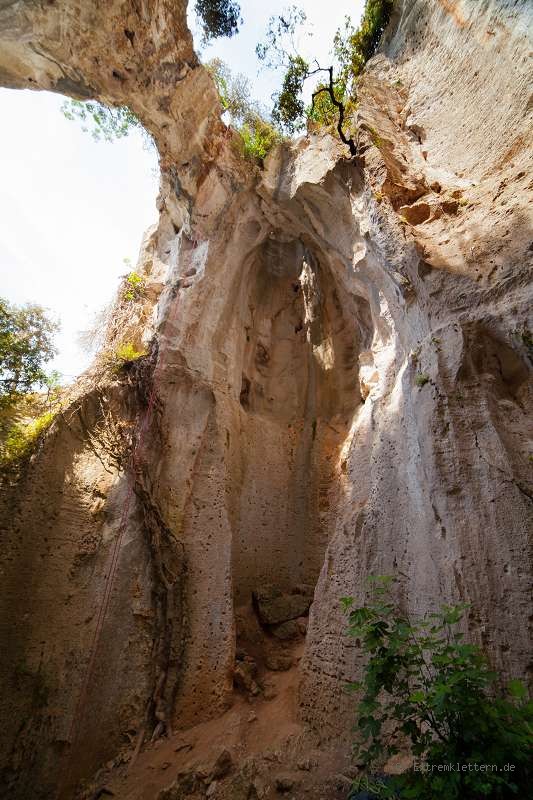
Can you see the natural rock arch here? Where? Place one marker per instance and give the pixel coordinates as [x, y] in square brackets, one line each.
[427, 481]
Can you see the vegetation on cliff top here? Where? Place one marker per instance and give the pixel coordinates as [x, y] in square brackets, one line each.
[426, 688]
[335, 97]
[218, 17]
[257, 134]
[26, 345]
[333, 100]
[114, 334]
[22, 435]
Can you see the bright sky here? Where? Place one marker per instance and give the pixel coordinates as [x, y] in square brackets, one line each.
[72, 209]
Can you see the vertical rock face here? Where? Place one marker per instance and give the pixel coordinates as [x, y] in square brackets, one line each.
[436, 484]
[338, 385]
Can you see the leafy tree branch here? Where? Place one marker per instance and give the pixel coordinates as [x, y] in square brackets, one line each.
[26, 345]
[218, 18]
[330, 89]
[104, 123]
[334, 98]
[426, 691]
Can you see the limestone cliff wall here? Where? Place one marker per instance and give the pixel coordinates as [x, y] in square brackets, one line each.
[436, 482]
[291, 309]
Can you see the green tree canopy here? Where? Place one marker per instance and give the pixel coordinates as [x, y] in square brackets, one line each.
[218, 17]
[26, 345]
[334, 95]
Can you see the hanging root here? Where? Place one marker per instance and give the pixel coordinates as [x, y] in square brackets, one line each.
[169, 575]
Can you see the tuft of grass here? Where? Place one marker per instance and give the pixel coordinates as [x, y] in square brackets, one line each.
[421, 379]
[113, 360]
[376, 138]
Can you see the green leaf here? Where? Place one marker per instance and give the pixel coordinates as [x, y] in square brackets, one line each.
[354, 686]
[359, 616]
[517, 689]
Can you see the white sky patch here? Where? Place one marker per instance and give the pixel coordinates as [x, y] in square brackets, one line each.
[72, 209]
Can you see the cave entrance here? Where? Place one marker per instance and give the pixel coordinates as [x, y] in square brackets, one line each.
[302, 333]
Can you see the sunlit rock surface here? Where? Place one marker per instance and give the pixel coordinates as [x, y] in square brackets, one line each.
[285, 447]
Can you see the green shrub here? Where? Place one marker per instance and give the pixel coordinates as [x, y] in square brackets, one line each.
[126, 353]
[421, 379]
[134, 287]
[257, 134]
[22, 438]
[258, 138]
[114, 360]
[424, 687]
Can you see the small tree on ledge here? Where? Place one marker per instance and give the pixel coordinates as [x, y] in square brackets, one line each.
[335, 97]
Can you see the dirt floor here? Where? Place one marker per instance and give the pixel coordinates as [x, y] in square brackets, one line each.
[256, 749]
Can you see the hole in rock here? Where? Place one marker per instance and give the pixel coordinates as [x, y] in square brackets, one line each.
[300, 335]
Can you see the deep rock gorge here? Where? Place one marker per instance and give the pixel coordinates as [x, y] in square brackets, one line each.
[285, 446]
